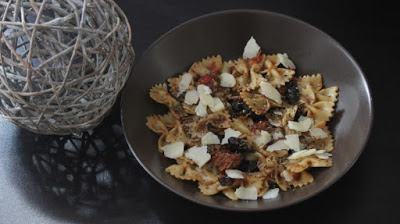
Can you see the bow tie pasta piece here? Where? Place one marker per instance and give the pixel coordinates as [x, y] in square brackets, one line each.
[183, 172]
[227, 66]
[328, 94]
[156, 125]
[275, 75]
[314, 80]
[301, 179]
[258, 103]
[320, 111]
[242, 67]
[207, 66]
[160, 94]
[302, 164]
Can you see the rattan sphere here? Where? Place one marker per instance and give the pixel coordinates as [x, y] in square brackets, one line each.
[62, 62]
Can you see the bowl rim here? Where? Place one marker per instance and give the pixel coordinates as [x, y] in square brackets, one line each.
[274, 14]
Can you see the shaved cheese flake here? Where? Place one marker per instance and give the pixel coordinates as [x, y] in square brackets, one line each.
[274, 123]
[210, 139]
[278, 113]
[303, 118]
[322, 154]
[201, 110]
[279, 145]
[277, 135]
[293, 142]
[191, 97]
[218, 105]
[271, 193]
[235, 174]
[302, 125]
[288, 177]
[229, 132]
[263, 139]
[173, 150]
[268, 90]
[205, 95]
[302, 153]
[246, 193]
[251, 49]
[285, 61]
[227, 80]
[199, 155]
[185, 83]
[203, 89]
[318, 133]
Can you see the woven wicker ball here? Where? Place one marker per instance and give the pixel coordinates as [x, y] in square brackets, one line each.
[62, 62]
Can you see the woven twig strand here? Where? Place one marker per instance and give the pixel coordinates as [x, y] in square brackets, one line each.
[62, 62]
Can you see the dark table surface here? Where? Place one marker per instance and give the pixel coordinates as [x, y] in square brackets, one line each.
[94, 178]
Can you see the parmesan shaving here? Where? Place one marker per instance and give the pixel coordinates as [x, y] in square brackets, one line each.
[302, 153]
[229, 132]
[277, 135]
[227, 80]
[191, 97]
[279, 145]
[201, 110]
[246, 193]
[302, 125]
[235, 174]
[210, 139]
[322, 154]
[251, 49]
[268, 90]
[271, 193]
[293, 142]
[173, 150]
[184, 83]
[274, 123]
[205, 95]
[263, 139]
[288, 177]
[285, 61]
[199, 155]
[318, 133]
[217, 105]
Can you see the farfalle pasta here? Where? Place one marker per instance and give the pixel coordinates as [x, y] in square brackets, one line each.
[245, 128]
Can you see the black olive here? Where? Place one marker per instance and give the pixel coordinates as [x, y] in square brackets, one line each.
[299, 112]
[292, 94]
[257, 118]
[236, 106]
[246, 109]
[238, 145]
[248, 166]
[225, 181]
[239, 108]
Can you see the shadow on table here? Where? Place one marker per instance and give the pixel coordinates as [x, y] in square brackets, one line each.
[93, 176]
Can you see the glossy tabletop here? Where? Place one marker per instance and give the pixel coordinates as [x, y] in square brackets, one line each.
[94, 177]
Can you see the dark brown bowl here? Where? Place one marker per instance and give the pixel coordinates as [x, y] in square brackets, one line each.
[226, 33]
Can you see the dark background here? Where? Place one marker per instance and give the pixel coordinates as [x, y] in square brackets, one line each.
[94, 178]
